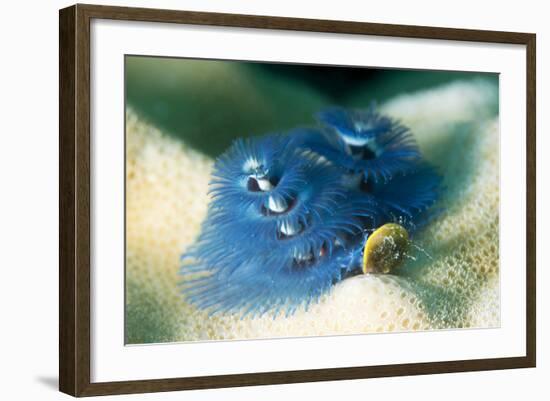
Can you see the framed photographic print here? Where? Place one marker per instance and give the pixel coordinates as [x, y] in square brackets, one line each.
[251, 200]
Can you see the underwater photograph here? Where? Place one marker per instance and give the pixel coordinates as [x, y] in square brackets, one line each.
[270, 200]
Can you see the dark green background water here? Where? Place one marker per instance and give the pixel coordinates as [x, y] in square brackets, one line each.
[208, 103]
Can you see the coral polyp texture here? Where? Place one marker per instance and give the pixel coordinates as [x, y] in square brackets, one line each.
[296, 271]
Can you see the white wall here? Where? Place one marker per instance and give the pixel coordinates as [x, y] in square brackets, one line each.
[28, 200]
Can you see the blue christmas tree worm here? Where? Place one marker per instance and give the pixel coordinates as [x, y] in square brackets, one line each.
[290, 214]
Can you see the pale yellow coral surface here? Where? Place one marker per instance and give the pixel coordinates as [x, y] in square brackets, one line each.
[166, 188]
[456, 271]
[451, 277]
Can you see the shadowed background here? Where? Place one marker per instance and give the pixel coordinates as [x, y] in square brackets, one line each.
[210, 102]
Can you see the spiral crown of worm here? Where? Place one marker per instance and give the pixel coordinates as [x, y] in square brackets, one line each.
[290, 213]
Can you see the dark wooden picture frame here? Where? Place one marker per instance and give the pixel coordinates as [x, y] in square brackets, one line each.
[74, 200]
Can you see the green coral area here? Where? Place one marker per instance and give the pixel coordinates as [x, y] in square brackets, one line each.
[147, 321]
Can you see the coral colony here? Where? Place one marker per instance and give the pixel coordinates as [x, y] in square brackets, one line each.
[292, 215]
